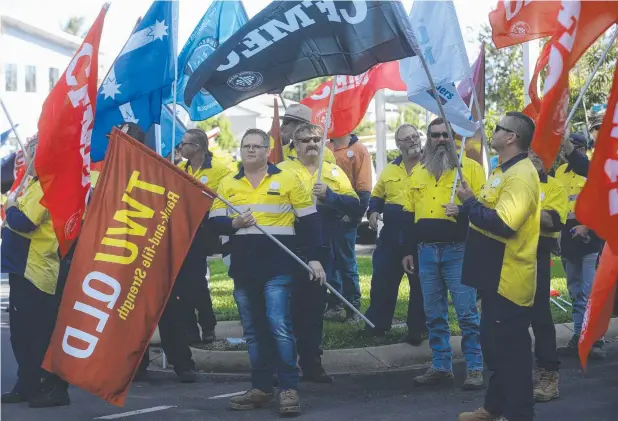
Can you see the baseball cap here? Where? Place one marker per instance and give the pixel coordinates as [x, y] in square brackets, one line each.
[596, 123]
[578, 140]
[298, 112]
[132, 130]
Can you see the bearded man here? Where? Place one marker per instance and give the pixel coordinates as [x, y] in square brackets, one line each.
[437, 226]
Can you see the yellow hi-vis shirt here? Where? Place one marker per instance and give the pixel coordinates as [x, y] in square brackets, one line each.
[332, 176]
[426, 196]
[210, 173]
[392, 184]
[573, 183]
[38, 249]
[506, 264]
[554, 199]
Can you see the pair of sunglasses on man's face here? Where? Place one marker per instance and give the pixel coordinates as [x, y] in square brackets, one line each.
[314, 139]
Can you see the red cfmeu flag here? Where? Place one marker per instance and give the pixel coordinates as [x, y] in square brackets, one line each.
[600, 304]
[62, 160]
[597, 204]
[276, 153]
[352, 97]
[142, 219]
[518, 21]
[579, 24]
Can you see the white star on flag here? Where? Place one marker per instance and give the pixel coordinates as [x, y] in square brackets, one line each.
[159, 30]
[110, 88]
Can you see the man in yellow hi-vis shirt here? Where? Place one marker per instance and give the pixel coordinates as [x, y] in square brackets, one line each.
[263, 273]
[336, 199]
[30, 258]
[500, 261]
[554, 208]
[439, 228]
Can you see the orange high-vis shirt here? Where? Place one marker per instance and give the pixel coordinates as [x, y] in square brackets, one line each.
[355, 160]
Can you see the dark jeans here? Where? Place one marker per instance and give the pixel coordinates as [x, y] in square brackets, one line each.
[199, 295]
[346, 280]
[309, 301]
[32, 314]
[542, 322]
[266, 319]
[507, 350]
[385, 281]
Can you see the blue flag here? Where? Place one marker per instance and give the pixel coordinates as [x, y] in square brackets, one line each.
[166, 130]
[221, 21]
[5, 135]
[141, 76]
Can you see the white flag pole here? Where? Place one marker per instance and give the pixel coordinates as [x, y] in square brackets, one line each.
[331, 99]
[461, 155]
[14, 128]
[158, 139]
[172, 158]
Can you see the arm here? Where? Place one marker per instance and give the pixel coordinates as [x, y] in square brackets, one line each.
[18, 221]
[486, 219]
[579, 163]
[345, 203]
[222, 223]
[376, 201]
[556, 203]
[408, 238]
[309, 222]
[363, 197]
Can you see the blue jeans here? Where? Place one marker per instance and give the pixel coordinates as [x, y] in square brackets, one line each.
[267, 324]
[440, 272]
[580, 277]
[346, 280]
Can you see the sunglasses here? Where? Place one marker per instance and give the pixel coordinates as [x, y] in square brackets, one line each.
[314, 139]
[504, 129]
[438, 135]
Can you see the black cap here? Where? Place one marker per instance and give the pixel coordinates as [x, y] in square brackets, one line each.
[596, 123]
[578, 140]
[132, 130]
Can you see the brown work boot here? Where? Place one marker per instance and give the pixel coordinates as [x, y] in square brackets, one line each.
[474, 380]
[433, 376]
[254, 398]
[479, 415]
[289, 402]
[547, 387]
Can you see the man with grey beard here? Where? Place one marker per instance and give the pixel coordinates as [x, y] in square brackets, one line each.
[438, 228]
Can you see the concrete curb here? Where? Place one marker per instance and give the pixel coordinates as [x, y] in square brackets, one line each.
[358, 360]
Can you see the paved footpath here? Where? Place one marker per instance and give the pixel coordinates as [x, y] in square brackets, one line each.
[384, 396]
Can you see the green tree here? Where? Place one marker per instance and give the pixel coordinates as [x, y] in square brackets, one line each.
[225, 139]
[74, 25]
[411, 115]
[365, 128]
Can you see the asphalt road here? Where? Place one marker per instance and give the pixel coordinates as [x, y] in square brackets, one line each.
[384, 396]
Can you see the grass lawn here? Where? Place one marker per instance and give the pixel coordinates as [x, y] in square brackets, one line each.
[343, 335]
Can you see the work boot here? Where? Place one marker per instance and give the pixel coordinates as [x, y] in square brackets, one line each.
[335, 314]
[58, 395]
[433, 376]
[479, 415]
[13, 397]
[208, 336]
[571, 349]
[414, 338]
[314, 372]
[254, 398]
[597, 352]
[547, 387]
[474, 380]
[289, 402]
[187, 375]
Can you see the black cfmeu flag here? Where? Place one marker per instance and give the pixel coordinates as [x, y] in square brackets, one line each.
[292, 41]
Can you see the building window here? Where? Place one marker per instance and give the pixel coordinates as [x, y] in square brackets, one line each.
[30, 78]
[10, 77]
[53, 77]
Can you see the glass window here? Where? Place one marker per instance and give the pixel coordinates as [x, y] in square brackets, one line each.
[10, 77]
[53, 77]
[30, 78]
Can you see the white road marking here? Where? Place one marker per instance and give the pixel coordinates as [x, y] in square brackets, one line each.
[138, 412]
[229, 395]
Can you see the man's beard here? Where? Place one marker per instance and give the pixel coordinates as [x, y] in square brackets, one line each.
[438, 160]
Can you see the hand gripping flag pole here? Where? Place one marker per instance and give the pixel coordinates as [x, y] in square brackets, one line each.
[299, 260]
[463, 147]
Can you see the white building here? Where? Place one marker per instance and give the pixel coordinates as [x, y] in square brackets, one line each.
[31, 61]
[254, 113]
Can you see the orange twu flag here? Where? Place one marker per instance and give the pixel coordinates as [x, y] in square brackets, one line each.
[518, 21]
[597, 204]
[579, 24]
[276, 153]
[600, 304]
[141, 221]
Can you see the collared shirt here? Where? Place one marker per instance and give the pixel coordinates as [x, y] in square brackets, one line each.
[29, 244]
[573, 183]
[554, 201]
[289, 152]
[505, 223]
[388, 198]
[276, 203]
[426, 197]
[210, 173]
[355, 160]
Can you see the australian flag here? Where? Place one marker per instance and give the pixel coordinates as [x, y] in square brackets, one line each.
[221, 21]
[140, 78]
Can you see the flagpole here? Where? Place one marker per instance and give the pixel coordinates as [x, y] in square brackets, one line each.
[474, 100]
[172, 158]
[158, 139]
[327, 125]
[14, 128]
[298, 260]
[285, 106]
[609, 46]
[437, 98]
[584, 105]
[461, 154]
